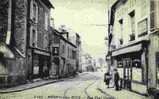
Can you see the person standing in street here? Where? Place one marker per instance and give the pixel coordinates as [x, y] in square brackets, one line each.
[107, 79]
[116, 79]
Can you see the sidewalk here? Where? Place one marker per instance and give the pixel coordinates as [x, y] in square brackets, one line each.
[29, 85]
[122, 94]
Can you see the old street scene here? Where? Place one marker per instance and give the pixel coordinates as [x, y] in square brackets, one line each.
[79, 49]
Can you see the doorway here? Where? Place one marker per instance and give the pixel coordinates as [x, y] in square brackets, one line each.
[127, 64]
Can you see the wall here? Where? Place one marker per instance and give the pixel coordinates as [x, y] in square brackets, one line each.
[153, 48]
[16, 68]
[122, 12]
[4, 5]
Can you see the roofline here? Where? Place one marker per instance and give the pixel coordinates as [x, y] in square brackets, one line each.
[60, 35]
[47, 2]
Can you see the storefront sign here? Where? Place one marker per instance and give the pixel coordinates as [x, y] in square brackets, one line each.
[125, 50]
[41, 52]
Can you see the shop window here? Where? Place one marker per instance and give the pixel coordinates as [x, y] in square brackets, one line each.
[35, 64]
[120, 64]
[136, 63]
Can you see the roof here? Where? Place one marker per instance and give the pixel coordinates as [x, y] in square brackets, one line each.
[56, 32]
[48, 3]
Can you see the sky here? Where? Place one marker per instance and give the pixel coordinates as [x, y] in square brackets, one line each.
[86, 17]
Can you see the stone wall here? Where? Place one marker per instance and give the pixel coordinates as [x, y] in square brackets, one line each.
[43, 34]
[16, 68]
[3, 19]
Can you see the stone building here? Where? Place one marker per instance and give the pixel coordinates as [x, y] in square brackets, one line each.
[63, 57]
[79, 50]
[23, 40]
[88, 63]
[133, 44]
[38, 52]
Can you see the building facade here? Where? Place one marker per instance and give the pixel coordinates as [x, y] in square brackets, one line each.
[23, 40]
[38, 51]
[133, 44]
[88, 63]
[79, 50]
[63, 57]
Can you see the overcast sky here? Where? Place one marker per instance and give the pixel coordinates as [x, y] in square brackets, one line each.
[87, 18]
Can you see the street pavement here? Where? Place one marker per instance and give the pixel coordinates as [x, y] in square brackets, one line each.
[86, 85]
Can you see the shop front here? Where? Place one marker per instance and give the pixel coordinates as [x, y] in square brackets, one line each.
[40, 64]
[132, 66]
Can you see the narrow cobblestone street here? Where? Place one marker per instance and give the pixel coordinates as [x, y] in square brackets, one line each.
[84, 86]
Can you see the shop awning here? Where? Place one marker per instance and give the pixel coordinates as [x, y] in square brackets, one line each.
[41, 52]
[5, 50]
[129, 49]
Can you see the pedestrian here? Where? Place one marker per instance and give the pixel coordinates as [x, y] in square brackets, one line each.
[116, 79]
[107, 79]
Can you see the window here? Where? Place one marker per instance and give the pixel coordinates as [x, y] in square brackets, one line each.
[120, 64]
[121, 31]
[132, 3]
[34, 11]
[73, 54]
[132, 22]
[142, 28]
[46, 20]
[56, 39]
[55, 50]
[63, 48]
[152, 14]
[68, 52]
[34, 38]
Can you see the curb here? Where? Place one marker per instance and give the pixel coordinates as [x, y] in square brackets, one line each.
[22, 89]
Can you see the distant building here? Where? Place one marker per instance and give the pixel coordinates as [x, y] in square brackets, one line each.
[63, 55]
[75, 39]
[88, 63]
[133, 44]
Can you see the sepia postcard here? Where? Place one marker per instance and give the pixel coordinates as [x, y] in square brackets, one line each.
[79, 49]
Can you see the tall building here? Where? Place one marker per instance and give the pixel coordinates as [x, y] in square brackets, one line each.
[24, 44]
[134, 44]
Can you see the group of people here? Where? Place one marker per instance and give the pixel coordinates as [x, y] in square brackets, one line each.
[114, 77]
